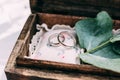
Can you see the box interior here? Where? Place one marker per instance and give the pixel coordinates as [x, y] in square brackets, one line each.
[50, 20]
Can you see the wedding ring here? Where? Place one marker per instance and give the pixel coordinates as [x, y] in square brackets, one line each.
[69, 39]
[53, 40]
[63, 38]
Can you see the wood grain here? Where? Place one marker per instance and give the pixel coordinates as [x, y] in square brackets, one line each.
[22, 68]
[87, 8]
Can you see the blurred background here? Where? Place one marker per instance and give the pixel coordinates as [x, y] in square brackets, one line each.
[13, 15]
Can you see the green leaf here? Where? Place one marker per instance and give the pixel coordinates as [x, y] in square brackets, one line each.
[106, 52]
[115, 38]
[95, 35]
[105, 63]
[93, 31]
[116, 43]
[116, 47]
[104, 58]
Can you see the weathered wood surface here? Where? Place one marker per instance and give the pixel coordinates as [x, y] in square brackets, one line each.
[77, 7]
[20, 68]
[56, 66]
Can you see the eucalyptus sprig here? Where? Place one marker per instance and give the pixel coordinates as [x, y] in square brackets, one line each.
[114, 39]
[95, 35]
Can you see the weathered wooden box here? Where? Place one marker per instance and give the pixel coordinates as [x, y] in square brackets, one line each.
[62, 12]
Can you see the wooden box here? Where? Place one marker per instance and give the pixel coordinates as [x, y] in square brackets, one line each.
[62, 12]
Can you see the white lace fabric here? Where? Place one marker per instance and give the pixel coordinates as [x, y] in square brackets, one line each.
[40, 47]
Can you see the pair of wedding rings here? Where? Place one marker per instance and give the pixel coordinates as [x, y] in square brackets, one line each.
[63, 38]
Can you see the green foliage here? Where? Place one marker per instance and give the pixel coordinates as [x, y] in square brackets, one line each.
[98, 61]
[95, 35]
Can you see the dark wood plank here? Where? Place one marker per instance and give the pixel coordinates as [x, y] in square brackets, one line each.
[72, 68]
[77, 7]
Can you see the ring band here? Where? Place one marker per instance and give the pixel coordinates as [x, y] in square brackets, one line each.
[69, 41]
[53, 40]
[64, 38]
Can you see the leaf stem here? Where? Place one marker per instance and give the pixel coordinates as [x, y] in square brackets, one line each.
[98, 47]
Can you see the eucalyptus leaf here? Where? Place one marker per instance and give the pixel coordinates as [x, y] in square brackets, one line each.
[92, 32]
[95, 35]
[105, 63]
[116, 47]
[104, 57]
[116, 43]
[115, 38]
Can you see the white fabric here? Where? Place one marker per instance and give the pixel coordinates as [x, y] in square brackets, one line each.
[13, 15]
[56, 52]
